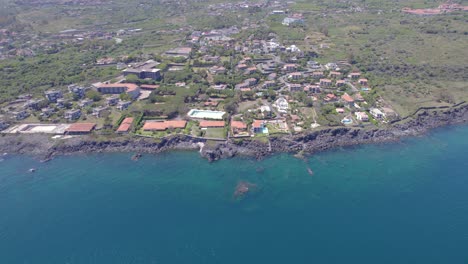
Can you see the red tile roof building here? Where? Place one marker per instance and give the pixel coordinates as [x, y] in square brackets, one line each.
[211, 124]
[163, 125]
[347, 98]
[238, 125]
[125, 125]
[80, 128]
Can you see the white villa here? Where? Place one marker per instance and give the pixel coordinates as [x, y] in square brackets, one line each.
[282, 105]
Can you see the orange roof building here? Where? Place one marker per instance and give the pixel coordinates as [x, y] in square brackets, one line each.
[80, 128]
[211, 124]
[238, 125]
[125, 125]
[163, 125]
[347, 98]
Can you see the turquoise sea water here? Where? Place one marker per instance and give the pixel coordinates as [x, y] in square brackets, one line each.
[403, 202]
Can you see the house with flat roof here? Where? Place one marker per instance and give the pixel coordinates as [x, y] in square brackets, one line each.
[377, 113]
[20, 115]
[355, 75]
[122, 105]
[362, 116]
[85, 103]
[48, 111]
[73, 114]
[118, 88]
[282, 105]
[340, 83]
[77, 90]
[97, 112]
[325, 82]
[317, 74]
[363, 81]
[53, 95]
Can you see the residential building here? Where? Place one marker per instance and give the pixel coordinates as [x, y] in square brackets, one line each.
[145, 70]
[122, 105]
[251, 81]
[125, 125]
[312, 89]
[363, 82]
[362, 116]
[282, 105]
[295, 75]
[295, 87]
[118, 88]
[340, 83]
[258, 126]
[347, 99]
[325, 82]
[358, 97]
[61, 103]
[335, 74]
[238, 127]
[97, 112]
[77, 90]
[266, 111]
[164, 125]
[317, 74]
[241, 67]
[290, 67]
[355, 75]
[154, 74]
[313, 65]
[113, 100]
[377, 113]
[32, 104]
[80, 128]
[268, 84]
[46, 112]
[217, 70]
[211, 124]
[330, 98]
[85, 103]
[53, 95]
[251, 70]
[20, 115]
[73, 114]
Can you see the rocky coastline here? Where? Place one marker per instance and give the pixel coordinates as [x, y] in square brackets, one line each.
[303, 144]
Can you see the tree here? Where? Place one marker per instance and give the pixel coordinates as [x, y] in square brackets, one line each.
[93, 95]
[230, 107]
[125, 97]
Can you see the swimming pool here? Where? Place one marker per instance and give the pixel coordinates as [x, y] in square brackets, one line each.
[206, 114]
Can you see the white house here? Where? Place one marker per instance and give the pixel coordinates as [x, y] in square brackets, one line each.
[362, 116]
[377, 113]
[282, 105]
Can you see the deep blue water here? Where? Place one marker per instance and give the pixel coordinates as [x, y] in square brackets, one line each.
[403, 202]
